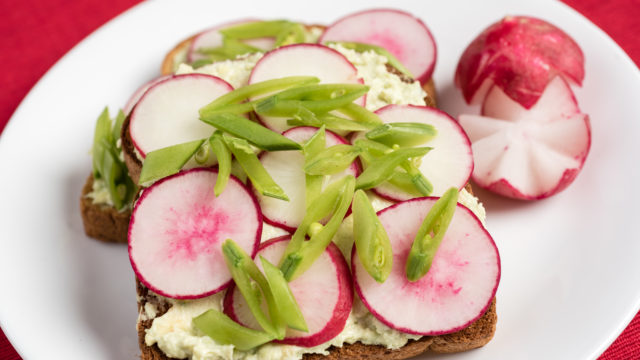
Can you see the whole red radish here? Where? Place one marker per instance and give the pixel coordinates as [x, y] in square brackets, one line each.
[520, 55]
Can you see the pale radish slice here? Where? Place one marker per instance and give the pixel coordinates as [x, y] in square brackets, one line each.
[450, 163]
[133, 100]
[286, 169]
[528, 154]
[521, 55]
[177, 229]
[167, 113]
[303, 60]
[456, 291]
[212, 38]
[402, 34]
[323, 293]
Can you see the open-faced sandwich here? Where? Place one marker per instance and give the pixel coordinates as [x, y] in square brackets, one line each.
[301, 197]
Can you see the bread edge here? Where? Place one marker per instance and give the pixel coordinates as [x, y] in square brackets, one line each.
[101, 221]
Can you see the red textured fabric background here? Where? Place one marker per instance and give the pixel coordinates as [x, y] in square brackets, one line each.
[41, 31]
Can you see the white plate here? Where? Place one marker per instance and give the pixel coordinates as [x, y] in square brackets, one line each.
[570, 263]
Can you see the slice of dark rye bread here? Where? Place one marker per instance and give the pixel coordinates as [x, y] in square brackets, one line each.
[475, 335]
[102, 222]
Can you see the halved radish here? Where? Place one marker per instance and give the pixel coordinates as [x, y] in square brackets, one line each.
[529, 154]
[303, 60]
[402, 34]
[212, 38]
[456, 291]
[521, 55]
[450, 163]
[133, 100]
[286, 169]
[177, 228]
[167, 113]
[323, 292]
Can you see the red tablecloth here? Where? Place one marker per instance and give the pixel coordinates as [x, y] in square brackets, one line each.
[34, 34]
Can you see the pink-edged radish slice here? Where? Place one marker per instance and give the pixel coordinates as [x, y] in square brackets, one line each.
[286, 169]
[529, 154]
[521, 55]
[323, 293]
[177, 229]
[303, 60]
[212, 38]
[450, 163]
[167, 113]
[402, 34]
[133, 100]
[456, 291]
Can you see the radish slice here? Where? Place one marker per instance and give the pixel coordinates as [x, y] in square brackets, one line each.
[167, 114]
[286, 169]
[521, 55]
[402, 34]
[323, 292]
[450, 163]
[133, 100]
[177, 228]
[212, 38]
[303, 60]
[456, 291]
[529, 154]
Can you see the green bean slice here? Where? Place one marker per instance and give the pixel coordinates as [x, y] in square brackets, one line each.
[371, 239]
[286, 302]
[382, 169]
[167, 161]
[225, 331]
[332, 160]
[223, 155]
[402, 134]
[313, 183]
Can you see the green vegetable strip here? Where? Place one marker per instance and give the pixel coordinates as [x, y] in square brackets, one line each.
[225, 331]
[251, 165]
[371, 240]
[296, 263]
[319, 91]
[293, 34]
[255, 133]
[110, 173]
[360, 114]
[167, 161]
[430, 235]
[402, 134]
[102, 131]
[244, 270]
[329, 121]
[313, 183]
[286, 302]
[257, 89]
[230, 49]
[117, 127]
[224, 161]
[382, 169]
[405, 182]
[332, 160]
[273, 106]
[421, 183]
[392, 60]
[257, 29]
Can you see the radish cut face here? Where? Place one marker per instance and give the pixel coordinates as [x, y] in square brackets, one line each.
[520, 55]
[323, 293]
[450, 163]
[402, 34]
[328, 65]
[177, 229]
[133, 100]
[212, 38]
[456, 291]
[286, 169]
[167, 114]
[528, 154]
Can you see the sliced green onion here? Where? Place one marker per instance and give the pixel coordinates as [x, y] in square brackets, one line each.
[255, 133]
[244, 270]
[167, 161]
[360, 47]
[202, 155]
[223, 155]
[320, 91]
[273, 106]
[225, 331]
[329, 121]
[260, 178]
[313, 183]
[286, 302]
[332, 160]
[230, 49]
[257, 89]
[360, 114]
[117, 127]
[382, 169]
[256, 29]
[403, 134]
[371, 239]
[430, 235]
[293, 34]
[102, 131]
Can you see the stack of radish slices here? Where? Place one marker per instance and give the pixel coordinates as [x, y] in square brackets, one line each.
[531, 140]
[197, 232]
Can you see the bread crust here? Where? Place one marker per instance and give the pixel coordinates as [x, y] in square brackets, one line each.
[102, 222]
[475, 335]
